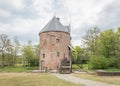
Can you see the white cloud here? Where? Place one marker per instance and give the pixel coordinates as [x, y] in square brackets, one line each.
[12, 4]
[43, 7]
[4, 13]
[16, 16]
[85, 11]
[17, 4]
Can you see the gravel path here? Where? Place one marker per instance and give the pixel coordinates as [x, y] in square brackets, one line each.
[71, 78]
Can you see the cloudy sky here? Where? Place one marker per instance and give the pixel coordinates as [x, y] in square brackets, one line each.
[25, 18]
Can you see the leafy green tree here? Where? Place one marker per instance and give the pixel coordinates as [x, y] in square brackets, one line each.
[74, 57]
[107, 43]
[31, 55]
[37, 53]
[117, 48]
[78, 56]
[104, 47]
[28, 55]
[78, 51]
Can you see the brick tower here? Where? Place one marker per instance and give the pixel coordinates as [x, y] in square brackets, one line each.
[55, 46]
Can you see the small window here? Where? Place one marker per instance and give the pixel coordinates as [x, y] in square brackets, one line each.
[57, 40]
[43, 55]
[58, 54]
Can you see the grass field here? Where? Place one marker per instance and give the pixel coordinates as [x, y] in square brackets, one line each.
[9, 77]
[85, 66]
[31, 79]
[106, 79]
[17, 69]
[112, 70]
[20, 68]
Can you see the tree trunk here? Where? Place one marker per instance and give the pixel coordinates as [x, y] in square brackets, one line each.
[3, 59]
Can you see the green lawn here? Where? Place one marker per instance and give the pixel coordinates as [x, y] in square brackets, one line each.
[85, 66]
[32, 79]
[17, 69]
[106, 79]
[112, 70]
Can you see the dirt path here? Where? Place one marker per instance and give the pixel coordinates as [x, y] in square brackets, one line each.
[71, 78]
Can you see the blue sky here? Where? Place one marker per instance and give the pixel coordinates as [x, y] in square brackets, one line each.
[25, 18]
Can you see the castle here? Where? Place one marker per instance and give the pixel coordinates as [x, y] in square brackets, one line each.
[55, 50]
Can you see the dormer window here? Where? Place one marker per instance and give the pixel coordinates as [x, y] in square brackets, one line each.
[57, 40]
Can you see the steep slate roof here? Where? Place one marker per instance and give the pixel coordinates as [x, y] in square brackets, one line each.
[55, 25]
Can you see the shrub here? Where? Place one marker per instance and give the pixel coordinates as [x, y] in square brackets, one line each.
[100, 62]
[117, 63]
[111, 62]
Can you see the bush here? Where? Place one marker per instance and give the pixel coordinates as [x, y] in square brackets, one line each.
[111, 62]
[117, 63]
[100, 62]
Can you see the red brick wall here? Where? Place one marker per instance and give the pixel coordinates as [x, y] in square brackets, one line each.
[50, 47]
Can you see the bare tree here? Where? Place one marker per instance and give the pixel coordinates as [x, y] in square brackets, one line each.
[4, 43]
[16, 50]
[90, 40]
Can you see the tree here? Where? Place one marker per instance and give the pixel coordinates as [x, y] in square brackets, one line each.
[107, 43]
[37, 54]
[28, 55]
[9, 54]
[16, 50]
[117, 48]
[78, 56]
[74, 57]
[109, 48]
[90, 40]
[4, 44]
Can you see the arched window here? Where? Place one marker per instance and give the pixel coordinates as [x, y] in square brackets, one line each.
[57, 40]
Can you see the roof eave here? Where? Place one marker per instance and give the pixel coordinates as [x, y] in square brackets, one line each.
[53, 31]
